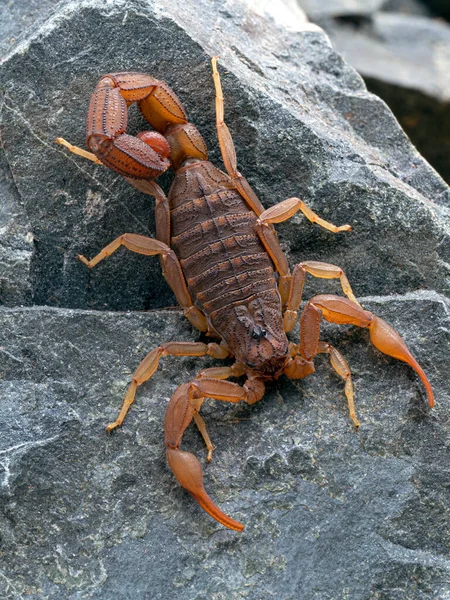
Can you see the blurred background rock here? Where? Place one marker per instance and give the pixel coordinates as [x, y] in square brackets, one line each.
[402, 49]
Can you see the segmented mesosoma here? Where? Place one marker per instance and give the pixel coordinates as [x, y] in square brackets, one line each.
[220, 255]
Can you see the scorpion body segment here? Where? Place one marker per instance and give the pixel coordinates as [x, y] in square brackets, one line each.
[220, 255]
[227, 268]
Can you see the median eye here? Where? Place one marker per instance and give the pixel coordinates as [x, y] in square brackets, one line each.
[258, 333]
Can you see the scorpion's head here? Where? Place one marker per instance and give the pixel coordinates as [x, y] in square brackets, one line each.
[254, 333]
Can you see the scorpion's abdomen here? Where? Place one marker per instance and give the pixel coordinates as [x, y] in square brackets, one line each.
[213, 234]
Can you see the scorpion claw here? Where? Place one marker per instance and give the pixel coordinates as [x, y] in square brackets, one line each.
[388, 341]
[181, 410]
[188, 471]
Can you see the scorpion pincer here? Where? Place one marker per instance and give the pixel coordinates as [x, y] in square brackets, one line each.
[220, 255]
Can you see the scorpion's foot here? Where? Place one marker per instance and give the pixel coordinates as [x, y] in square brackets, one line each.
[111, 426]
[83, 259]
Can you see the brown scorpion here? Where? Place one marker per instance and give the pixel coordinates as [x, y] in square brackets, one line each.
[221, 257]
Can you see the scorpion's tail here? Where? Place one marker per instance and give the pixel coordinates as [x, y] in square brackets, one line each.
[185, 466]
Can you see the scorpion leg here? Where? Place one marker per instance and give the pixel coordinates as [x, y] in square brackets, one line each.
[150, 363]
[299, 367]
[182, 408]
[228, 150]
[162, 218]
[162, 209]
[276, 214]
[132, 241]
[236, 370]
[78, 151]
[171, 269]
[287, 208]
[265, 231]
[297, 281]
[279, 213]
[291, 286]
[336, 309]
[341, 367]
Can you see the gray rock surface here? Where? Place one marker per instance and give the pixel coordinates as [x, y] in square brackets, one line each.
[288, 115]
[407, 7]
[16, 244]
[17, 16]
[387, 49]
[330, 513]
[324, 9]
[405, 59]
[316, 9]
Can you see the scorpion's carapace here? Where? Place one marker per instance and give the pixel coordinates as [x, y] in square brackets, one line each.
[221, 257]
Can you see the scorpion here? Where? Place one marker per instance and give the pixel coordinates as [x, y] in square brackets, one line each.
[220, 254]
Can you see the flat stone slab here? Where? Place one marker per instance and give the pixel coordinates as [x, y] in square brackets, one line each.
[303, 123]
[328, 510]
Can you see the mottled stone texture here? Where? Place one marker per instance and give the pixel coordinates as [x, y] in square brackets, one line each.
[330, 513]
[288, 113]
[16, 18]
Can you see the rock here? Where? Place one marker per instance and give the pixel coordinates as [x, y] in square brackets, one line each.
[408, 7]
[288, 115]
[387, 50]
[317, 9]
[328, 511]
[412, 78]
[17, 16]
[16, 244]
[439, 7]
[326, 508]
